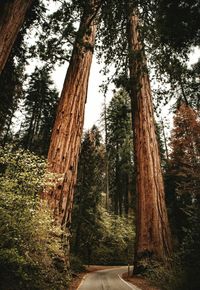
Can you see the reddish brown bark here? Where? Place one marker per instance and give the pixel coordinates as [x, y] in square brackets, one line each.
[66, 135]
[12, 15]
[152, 226]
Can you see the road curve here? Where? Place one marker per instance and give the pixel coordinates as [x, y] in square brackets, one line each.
[109, 279]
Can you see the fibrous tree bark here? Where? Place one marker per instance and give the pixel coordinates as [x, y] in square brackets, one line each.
[67, 131]
[153, 238]
[12, 16]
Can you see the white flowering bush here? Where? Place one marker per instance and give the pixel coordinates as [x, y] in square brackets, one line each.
[31, 250]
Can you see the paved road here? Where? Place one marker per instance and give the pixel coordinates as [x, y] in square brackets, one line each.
[109, 279]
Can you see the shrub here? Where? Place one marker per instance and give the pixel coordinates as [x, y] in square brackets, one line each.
[117, 241]
[167, 277]
[32, 255]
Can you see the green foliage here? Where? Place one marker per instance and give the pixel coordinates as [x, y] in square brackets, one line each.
[31, 255]
[109, 241]
[171, 277]
[190, 255]
[115, 246]
[58, 32]
[178, 22]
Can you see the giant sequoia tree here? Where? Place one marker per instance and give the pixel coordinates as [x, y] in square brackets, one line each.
[153, 233]
[13, 13]
[66, 135]
[152, 230]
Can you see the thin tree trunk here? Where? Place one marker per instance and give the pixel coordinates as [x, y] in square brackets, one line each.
[130, 210]
[165, 141]
[12, 15]
[30, 135]
[127, 195]
[117, 183]
[5, 139]
[67, 131]
[106, 153]
[153, 238]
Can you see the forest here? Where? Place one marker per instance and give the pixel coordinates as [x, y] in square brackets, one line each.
[125, 191]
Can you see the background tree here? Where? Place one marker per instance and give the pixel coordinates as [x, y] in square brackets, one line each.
[98, 236]
[183, 173]
[120, 154]
[40, 109]
[88, 195]
[11, 92]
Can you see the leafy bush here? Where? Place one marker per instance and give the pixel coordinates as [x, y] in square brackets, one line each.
[171, 277]
[31, 250]
[184, 270]
[117, 241]
[107, 239]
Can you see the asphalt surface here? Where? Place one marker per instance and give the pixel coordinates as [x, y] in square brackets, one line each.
[109, 279]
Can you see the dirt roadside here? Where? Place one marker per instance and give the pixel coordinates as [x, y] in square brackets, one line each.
[140, 282]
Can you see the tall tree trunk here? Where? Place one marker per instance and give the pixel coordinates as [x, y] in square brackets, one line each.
[153, 237]
[67, 131]
[12, 16]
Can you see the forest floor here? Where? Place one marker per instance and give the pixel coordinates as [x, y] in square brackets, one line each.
[140, 282]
